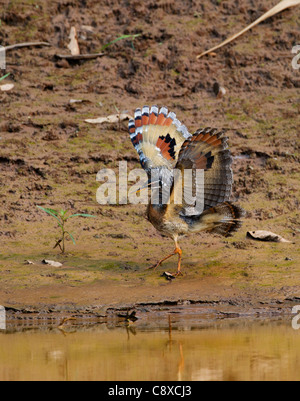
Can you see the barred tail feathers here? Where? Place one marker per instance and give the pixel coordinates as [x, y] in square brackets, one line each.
[223, 219]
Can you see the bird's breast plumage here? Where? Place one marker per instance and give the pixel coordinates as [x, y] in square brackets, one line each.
[165, 222]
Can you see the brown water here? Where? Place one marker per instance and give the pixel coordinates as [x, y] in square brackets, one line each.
[222, 351]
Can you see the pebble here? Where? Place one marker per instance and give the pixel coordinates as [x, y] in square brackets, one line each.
[219, 90]
[52, 263]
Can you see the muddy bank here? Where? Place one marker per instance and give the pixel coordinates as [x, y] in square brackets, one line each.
[160, 315]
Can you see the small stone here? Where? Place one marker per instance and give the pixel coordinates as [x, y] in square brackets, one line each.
[62, 64]
[219, 90]
[168, 276]
[7, 87]
[52, 263]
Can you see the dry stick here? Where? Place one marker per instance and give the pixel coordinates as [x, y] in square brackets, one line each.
[27, 44]
[80, 56]
[67, 57]
[275, 10]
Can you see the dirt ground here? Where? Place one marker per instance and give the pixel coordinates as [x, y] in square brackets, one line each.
[50, 156]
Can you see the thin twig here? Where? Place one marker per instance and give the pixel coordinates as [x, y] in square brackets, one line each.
[26, 44]
[80, 56]
[275, 10]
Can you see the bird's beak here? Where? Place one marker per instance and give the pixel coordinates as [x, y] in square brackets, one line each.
[145, 186]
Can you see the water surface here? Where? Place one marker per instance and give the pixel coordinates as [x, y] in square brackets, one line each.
[226, 350]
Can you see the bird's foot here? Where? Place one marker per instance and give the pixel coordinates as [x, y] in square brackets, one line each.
[154, 267]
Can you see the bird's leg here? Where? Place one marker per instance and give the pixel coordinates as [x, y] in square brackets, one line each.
[179, 251]
[176, 251]
[161, 261]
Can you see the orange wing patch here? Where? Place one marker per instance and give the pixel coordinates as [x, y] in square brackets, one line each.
[210, 140]
[153, 115]
[168, 122]
[137, 139]
[166, 144]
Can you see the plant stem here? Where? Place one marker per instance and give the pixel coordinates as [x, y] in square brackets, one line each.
[63, 236]
[63, 243]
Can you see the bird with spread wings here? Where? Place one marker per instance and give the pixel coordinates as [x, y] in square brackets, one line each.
[165, 146]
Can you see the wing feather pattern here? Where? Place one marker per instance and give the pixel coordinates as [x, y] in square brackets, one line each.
[157, 136]
[206, 151]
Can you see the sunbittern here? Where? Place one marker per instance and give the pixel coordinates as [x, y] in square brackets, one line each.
[164, 144]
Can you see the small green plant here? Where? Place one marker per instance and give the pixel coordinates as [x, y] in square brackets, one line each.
[62, 218]
[5, 76]
[132, 37]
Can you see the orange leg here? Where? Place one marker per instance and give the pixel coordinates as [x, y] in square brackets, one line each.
[176, 251]
[179, 251]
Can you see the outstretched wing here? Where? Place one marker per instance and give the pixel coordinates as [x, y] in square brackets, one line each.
[157, 137]
[206, 151]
